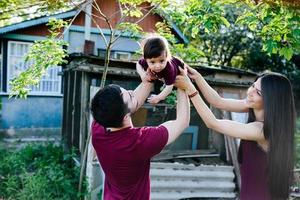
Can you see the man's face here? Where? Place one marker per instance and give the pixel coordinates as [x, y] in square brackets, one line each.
[130, 100]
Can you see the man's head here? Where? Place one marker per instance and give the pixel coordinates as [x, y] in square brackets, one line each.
[111, 104]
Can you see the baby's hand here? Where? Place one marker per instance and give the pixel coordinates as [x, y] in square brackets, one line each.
[148, 77]
[145, 78]
[154, 99]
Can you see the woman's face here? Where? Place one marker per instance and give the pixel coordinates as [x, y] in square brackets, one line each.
[254, 96]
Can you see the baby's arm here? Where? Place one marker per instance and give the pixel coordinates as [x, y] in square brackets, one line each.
[154, 99]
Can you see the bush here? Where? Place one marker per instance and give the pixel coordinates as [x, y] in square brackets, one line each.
[38, 172]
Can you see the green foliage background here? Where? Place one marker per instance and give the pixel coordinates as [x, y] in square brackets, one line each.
[38, 172]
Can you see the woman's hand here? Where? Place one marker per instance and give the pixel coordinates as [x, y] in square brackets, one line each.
[192, 73]
[183, 82]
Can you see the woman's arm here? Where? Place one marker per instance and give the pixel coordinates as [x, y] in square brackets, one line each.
[213, 97]
[250, 131]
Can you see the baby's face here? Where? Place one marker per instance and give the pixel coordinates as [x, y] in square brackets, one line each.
[157, 64]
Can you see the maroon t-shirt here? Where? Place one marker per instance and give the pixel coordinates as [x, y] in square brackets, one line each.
[169, 73]
[253, 162]
[124, 156]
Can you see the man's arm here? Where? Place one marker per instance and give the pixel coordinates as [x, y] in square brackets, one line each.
[142, 92]
[140, 71]
[177, 126]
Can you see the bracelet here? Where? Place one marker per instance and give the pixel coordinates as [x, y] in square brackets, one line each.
[193, 94]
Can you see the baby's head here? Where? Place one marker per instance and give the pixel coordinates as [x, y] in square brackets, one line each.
[156, 52]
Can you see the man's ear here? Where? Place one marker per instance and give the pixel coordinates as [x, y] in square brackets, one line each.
[127, 116]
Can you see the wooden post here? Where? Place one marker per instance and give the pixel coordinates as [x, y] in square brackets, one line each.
[232, 150]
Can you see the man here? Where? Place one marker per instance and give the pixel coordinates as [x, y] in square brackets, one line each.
[124, 151]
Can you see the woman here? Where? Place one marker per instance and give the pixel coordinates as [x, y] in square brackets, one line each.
[267, 149]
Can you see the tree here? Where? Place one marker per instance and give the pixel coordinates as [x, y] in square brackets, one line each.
[278, 26]
[221, 44]
[214, 22]
[42, 54]
[259, 36]
[12, 11]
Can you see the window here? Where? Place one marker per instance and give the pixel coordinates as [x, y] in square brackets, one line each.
[119, 55]
[50, 83]
[122, 55]
[101, 53]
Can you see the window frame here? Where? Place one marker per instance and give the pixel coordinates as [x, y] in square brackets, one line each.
[122, 53]
[31, 93]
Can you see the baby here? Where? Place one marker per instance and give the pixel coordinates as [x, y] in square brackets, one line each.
[157, 63]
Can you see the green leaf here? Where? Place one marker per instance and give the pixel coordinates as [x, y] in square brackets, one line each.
[286, 52]
[195, 31]
[224, 20]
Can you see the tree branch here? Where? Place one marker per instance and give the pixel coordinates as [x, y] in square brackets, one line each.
[104, 16]
[71, 22]
[101, 32]
[145, 15]
[120, 8]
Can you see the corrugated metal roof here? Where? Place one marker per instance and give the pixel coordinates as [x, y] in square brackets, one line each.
[37, 21]
[172, 181]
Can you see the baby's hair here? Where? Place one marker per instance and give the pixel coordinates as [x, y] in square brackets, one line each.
[154, 45]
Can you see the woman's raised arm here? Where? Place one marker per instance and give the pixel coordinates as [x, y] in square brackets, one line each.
[213, 98]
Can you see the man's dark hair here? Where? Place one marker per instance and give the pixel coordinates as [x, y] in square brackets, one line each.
[108, 107]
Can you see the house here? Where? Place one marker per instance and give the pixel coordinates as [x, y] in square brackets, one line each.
[42, 110]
